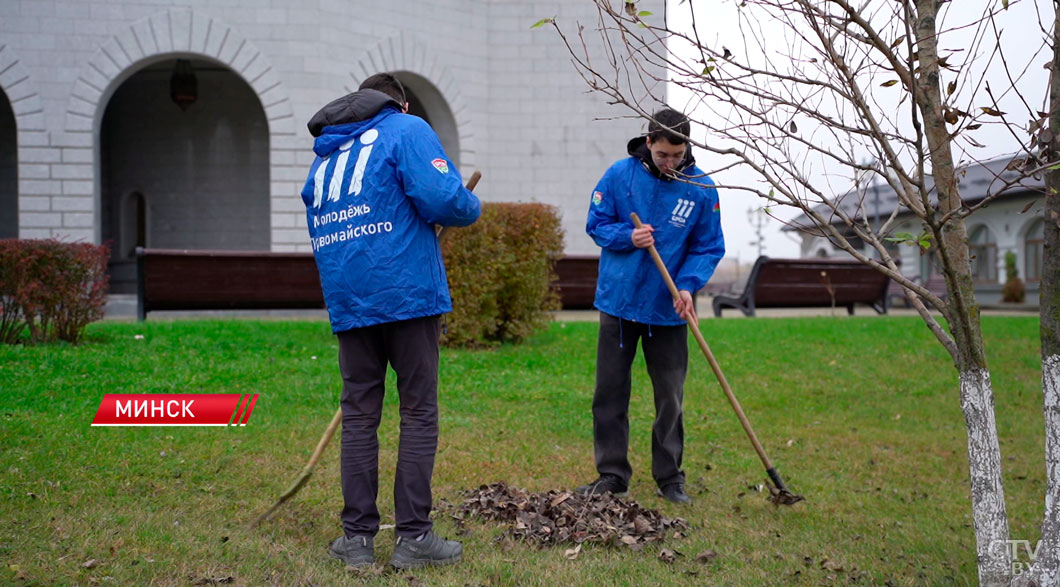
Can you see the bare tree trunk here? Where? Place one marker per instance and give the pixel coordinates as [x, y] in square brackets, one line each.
[962, 313]
[1046, 569]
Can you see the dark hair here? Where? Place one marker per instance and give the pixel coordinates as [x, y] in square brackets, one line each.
[671, 125]
[386, 83]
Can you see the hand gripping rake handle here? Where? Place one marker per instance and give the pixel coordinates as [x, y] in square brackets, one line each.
[782, 495]
[307, 471]
[471, 183]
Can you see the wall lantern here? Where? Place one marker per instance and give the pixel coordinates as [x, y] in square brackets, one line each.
[183, 87]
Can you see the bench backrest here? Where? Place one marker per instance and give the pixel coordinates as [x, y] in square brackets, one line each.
[576, 279]
[806, 282]
[222, 280]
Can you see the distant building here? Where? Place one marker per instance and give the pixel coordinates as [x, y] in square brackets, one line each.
[1012, 222]
[182, 124]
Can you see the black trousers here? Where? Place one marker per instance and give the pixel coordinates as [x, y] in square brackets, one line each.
[411, 347]
[666, 355]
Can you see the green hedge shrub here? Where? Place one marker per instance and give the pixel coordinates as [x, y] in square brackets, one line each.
[51, 289]
[1013, 291]
[500, 273]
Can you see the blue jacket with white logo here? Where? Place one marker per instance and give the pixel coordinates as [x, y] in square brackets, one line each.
[379, 184]
[687, 223]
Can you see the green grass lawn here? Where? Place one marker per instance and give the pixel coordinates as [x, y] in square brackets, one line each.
[860, 414]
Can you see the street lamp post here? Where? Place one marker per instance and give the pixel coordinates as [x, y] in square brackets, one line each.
[757, 220]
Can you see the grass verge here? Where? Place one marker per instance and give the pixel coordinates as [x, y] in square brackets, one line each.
[860, 414]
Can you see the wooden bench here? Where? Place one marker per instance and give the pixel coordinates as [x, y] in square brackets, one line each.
[174, 279]
[809, 283]
[936, 284]
[576, 280]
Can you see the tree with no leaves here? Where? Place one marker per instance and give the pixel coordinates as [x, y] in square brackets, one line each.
[873, 82]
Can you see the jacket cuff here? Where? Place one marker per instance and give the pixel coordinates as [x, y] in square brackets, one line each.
[688, 284]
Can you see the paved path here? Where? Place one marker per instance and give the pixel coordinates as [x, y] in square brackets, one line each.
[123, 307]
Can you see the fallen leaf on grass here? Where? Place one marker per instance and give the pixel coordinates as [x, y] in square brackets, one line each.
[830, 565]
[558, 517]
[572, 553]
[20, 575]
[706, 556]
[90, 563]
[668, 556]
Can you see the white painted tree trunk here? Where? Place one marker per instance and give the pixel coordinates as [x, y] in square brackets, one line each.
[1045, 571]
[984, 465]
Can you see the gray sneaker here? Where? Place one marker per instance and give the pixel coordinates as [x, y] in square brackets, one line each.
[432, 550]
[355, 551]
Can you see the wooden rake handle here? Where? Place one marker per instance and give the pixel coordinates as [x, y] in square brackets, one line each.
[694, 325]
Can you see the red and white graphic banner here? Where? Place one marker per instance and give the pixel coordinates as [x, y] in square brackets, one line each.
[175, 409]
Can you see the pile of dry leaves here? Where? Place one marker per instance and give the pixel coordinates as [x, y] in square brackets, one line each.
[558, 517]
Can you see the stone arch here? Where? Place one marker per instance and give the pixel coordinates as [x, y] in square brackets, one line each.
[21, 112]
[983, 252]
[1031, 249]
[163, 36]
[167, 35]
[426, 101]
[403, 54]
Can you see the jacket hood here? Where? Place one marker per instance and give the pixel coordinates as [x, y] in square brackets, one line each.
[346, 118]
[638, 148]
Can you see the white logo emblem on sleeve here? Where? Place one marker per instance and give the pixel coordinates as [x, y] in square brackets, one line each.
[441, 165]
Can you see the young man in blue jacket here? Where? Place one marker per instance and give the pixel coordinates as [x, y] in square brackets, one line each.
[379, 185]
[679, 207]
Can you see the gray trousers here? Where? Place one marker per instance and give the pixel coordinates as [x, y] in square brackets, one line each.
[411, 347]
[666, 355]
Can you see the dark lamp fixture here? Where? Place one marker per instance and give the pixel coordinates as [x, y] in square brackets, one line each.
[183, 87]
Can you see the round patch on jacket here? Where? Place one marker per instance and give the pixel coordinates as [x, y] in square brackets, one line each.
[597, 198]
[441, 165]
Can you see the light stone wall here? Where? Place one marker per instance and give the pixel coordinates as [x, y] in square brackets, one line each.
[522, 114]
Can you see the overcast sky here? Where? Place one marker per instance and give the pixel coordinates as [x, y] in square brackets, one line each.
[1022, 43]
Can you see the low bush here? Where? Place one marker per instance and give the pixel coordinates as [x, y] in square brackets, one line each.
[1013, 291]
[50, 289]
[500, 273]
